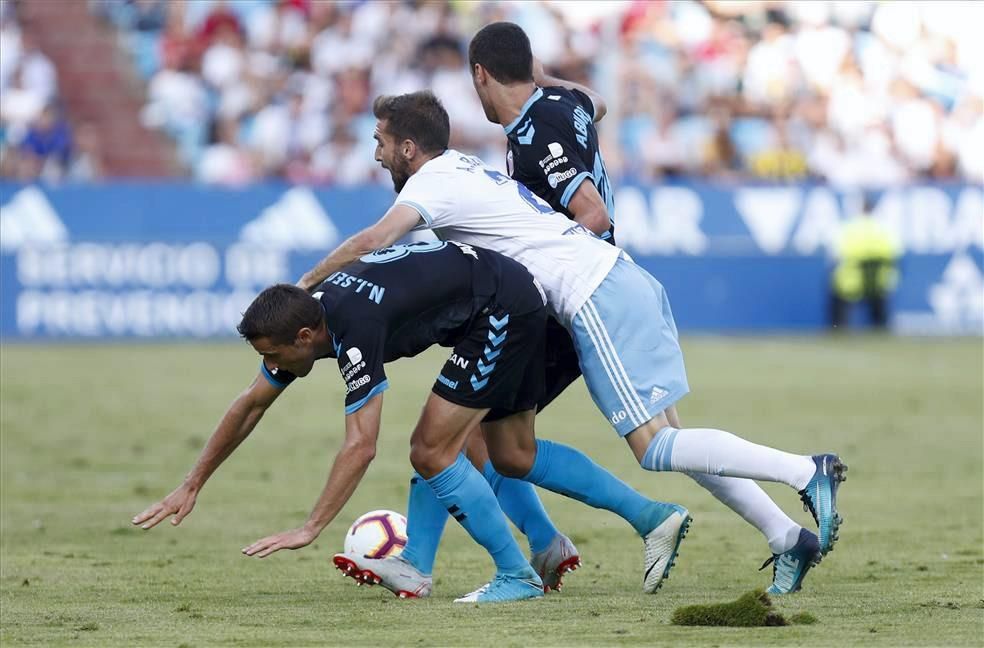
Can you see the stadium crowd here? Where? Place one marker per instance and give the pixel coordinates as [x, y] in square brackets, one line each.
[854, 93]
[35, 138]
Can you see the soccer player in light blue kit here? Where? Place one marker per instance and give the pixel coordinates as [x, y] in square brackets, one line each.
[618, 315]
[554, 151]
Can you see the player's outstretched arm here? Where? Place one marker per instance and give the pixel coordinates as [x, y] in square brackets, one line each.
[543, 79]
[399, 220]
[236, 424]
[350, 465]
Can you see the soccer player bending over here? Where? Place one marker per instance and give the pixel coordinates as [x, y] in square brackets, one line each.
[395, 303]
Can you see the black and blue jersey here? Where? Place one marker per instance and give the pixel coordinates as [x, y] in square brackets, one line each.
[398, 301]
[553, 148]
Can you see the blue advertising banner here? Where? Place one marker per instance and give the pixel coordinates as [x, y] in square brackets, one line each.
[149, 260]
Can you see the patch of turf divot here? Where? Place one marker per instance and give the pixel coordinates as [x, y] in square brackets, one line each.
[803, 618]
[749, 610]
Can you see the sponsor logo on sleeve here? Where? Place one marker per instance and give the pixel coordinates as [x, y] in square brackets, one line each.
[352, 385]
[352, 369]
[354, 355]
[554, 159]
[555, 179]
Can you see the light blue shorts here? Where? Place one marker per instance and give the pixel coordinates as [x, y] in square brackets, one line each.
[627, 344]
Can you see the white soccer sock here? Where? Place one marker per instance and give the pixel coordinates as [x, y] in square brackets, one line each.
[747, 499]
[716, 452]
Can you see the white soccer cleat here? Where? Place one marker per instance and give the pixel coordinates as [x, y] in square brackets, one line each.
[662, 545]
[556, 560]
[394, 573]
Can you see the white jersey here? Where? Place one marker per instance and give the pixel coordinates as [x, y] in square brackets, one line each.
[461, 199]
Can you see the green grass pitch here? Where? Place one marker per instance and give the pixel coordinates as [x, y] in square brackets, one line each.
[93, 434]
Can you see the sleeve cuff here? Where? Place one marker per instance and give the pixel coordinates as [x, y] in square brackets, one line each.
[572, 187]
[420, 210]
[357, 405]
[272, 379]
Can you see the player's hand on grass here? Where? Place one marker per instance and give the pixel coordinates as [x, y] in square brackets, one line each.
[293, 539]
[179, 503]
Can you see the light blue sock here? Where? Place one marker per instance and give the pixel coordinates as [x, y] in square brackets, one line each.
[519, 501]
[659, 454]
[469, 499]
[426, 517]
[568, 471]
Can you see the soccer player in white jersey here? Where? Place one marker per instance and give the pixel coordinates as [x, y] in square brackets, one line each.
[554, 150]
[618, 315]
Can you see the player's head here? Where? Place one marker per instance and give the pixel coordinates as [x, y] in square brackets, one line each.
[284, 324]
[410, 129]
[499, 54]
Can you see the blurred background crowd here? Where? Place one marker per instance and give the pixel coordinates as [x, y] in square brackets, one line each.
[854, 93]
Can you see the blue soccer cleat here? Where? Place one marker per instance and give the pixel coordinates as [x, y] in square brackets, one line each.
[662, 545]
[506, 587]
[789, 568]
[820, 497]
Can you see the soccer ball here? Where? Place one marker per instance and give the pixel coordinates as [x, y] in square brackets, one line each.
[377, 534]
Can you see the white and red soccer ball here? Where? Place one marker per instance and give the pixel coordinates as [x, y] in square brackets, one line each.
[377, 534]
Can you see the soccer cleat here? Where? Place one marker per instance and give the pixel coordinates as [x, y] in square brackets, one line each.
[662, 545]
[820, 498]
[789, 568]
[506, 587]
[556, 560]
[394, 573]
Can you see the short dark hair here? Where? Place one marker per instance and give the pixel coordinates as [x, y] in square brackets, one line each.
[503, 49]
[279, 312]
[417, 116]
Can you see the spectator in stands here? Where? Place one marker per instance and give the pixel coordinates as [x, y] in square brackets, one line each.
[284, 132]
[46, 149]
[178, 104]
[87, 161]
[149, 15]
[10, 44]
[37, 72]
[781, 160]
[225, 162]
[341, 161]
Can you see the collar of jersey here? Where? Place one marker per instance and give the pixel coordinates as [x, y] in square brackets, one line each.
[334, 341]
[522, 111]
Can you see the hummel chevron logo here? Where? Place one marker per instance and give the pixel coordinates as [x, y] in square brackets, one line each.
[478, 384]
[497, 324]
[490, 354]
[497, 340]
[526, 132]
[483, 368]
